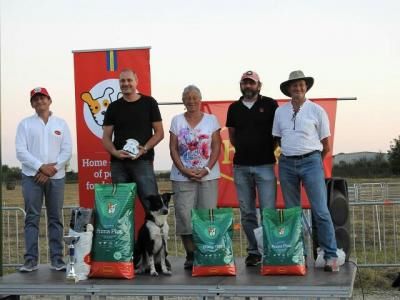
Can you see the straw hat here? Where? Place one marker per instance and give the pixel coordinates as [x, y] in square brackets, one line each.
[293, 76]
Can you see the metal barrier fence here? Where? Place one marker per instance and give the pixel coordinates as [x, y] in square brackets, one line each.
[13, 236]
[374, 209]
[375, 228]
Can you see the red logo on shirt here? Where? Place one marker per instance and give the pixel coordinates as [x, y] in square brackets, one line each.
[57, 132]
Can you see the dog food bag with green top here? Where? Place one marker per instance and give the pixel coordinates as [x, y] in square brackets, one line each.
[112, 251]
[212, 236]
[283, 242]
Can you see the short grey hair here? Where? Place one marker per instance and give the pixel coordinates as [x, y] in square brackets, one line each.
[191, 88]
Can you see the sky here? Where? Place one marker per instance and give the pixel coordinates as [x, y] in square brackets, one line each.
[351, 48]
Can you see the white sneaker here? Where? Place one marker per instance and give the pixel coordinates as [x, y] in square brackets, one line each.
[331, 265]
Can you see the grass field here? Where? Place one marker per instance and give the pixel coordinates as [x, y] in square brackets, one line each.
[14, 197]
[372, 278]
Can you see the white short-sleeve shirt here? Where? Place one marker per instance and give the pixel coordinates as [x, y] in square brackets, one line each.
[303, 133]
[194, 145]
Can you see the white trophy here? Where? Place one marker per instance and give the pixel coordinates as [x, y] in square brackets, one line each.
[132, 147]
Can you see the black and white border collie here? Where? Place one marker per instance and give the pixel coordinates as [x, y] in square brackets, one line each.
[151, 246]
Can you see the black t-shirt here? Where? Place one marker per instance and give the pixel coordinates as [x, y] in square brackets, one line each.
[133, 120]
[253, 131]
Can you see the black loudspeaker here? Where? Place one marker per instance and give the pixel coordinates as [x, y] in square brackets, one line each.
[338, 205]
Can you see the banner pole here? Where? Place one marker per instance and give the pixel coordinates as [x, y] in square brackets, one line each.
[339, 99]
[1, 176]
[170, 103]
[347, 98]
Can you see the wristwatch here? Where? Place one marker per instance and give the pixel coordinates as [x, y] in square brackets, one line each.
[145, 149]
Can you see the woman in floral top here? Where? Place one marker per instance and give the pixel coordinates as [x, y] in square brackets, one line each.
[194, 144]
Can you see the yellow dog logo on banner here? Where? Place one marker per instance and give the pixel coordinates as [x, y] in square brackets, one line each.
[96, 102]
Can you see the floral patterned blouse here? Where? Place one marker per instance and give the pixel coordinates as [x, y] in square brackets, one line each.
[194, 145]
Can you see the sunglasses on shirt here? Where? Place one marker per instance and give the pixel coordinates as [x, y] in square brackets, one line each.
[294, 119]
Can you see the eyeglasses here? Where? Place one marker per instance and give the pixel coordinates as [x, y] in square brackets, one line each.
[294, 119]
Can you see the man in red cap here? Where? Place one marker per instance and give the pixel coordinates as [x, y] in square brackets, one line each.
[249, 122]
[44, 147]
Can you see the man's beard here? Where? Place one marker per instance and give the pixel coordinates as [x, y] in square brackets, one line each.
[248, 93]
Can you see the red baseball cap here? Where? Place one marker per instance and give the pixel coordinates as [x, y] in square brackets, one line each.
[250, 75]
[39, 90]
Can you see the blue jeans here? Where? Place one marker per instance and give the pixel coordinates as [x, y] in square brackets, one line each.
[249, 181]
[139, 171]
[53, 193]
[310, 172]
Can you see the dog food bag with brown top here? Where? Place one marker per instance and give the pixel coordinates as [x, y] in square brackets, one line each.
[212, 236]
[112, 252]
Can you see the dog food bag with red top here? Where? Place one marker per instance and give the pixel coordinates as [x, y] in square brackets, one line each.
[112, 251]
[283, 242]
[212, 236]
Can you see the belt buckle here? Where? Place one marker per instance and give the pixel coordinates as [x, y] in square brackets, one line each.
[309, 153]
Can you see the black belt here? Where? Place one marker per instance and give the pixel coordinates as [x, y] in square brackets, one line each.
[302, 156]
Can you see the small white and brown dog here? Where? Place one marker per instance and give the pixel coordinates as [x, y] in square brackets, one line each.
[151, 246]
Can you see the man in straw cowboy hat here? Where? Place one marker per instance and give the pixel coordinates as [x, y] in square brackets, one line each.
[303, 130]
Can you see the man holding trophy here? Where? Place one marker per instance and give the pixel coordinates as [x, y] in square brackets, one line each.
[135, 121]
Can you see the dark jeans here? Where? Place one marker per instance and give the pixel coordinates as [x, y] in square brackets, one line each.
[139, 171]
[53, 193]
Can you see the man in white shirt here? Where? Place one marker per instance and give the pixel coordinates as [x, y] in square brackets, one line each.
[303, 129]
[44, 147]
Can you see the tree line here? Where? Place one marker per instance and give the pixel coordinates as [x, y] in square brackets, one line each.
[378, 167]
[14, 174]
[372, 168]
[361, 168]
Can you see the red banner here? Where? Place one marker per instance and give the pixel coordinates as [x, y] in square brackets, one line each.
[96, 86]
[227, 194]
